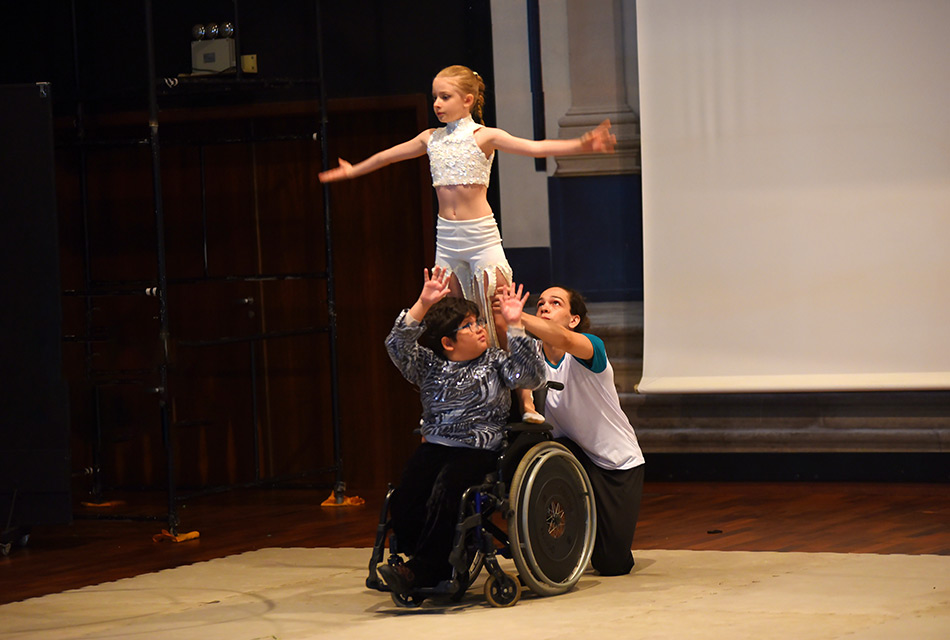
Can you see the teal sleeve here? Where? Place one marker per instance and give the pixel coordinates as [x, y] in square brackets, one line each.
[597, 362]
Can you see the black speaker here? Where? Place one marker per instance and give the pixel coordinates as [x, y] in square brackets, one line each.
[34, 417]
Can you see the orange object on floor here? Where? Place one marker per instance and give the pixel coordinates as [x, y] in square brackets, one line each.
[103, 505]
[166, 536]
[348, 501]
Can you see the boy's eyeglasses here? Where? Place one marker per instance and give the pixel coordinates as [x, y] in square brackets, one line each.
[473, 326]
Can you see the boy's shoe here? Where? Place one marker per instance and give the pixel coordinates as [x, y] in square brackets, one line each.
[533, 417]
[399, 578]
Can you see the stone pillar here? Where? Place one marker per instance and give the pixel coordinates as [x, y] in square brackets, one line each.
[598, 81]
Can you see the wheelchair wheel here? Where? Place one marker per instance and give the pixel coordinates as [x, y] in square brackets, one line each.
[409, 601]
[503, 591]
[553, 519]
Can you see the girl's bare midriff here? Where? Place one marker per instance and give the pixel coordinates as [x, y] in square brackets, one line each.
[463, 201]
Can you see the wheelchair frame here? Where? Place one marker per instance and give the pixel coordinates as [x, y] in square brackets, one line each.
[545, 551]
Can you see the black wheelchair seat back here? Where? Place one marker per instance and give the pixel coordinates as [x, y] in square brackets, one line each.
[519, 438]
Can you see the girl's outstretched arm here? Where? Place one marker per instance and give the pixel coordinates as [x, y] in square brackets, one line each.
[598, 140]
[403, 151]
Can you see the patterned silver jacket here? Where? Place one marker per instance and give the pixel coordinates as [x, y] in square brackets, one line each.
[465, 403]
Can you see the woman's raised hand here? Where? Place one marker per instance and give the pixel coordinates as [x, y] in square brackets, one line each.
[341, 172]
[511, 303]
[599, 140]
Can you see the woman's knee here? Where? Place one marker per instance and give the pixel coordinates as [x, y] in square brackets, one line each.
[618, 563]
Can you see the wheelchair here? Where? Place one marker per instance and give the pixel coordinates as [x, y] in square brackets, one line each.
[542, 494]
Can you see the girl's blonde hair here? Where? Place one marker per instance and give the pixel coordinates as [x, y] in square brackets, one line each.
[468, 82]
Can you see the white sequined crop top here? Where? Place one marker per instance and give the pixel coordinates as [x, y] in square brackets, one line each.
[454, 156]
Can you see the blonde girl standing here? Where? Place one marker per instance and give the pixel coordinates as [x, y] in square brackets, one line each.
[468, 243]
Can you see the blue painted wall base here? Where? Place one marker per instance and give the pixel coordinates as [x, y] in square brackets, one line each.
[531, 267]
[597, 235]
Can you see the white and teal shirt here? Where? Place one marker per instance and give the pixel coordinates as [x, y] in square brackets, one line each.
[588, 409]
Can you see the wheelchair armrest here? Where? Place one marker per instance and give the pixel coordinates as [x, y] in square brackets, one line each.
[527, 427]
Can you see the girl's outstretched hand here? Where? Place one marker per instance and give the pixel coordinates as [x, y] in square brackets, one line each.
[434, 287]
[341, 172]
[511, 303]
[599, 140]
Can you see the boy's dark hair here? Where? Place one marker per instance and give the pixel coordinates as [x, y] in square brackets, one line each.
[443, 320]
[578, 308]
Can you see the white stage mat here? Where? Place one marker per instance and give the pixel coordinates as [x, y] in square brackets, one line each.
[285, 594]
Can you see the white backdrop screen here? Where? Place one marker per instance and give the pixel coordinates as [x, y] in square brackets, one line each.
[796, 194]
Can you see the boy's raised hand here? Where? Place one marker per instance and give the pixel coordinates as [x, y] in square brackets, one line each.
[511, 303]
[435, 286]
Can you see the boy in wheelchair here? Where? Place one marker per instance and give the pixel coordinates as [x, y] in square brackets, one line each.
[440, 345]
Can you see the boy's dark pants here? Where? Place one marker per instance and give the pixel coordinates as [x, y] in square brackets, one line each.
[425, 506]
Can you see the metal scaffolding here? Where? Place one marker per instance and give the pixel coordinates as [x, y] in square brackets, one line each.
[157, 289]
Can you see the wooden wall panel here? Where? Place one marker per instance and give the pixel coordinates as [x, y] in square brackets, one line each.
[121, 224]
[383, 228]
[262, 214]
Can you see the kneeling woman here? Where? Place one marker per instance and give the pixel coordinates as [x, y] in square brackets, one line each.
[588, 419]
